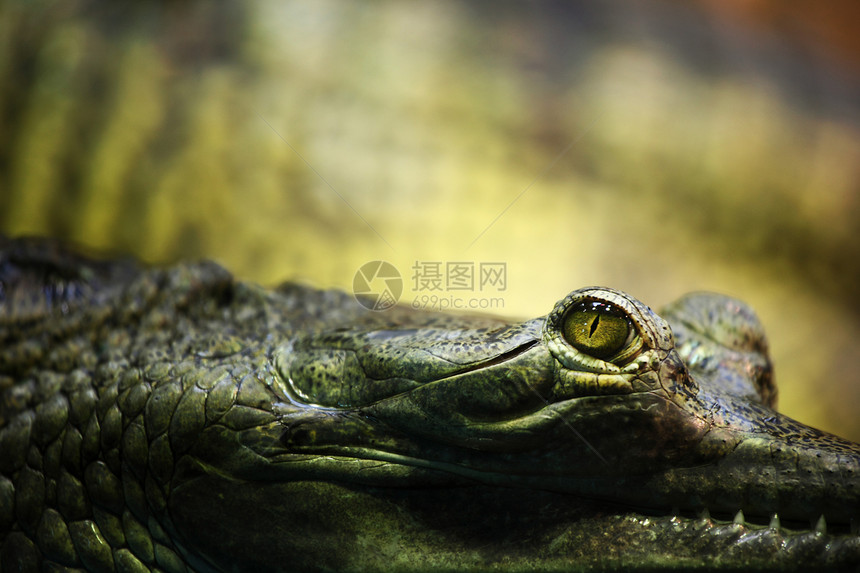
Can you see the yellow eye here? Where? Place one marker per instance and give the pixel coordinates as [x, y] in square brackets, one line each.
[596, 328]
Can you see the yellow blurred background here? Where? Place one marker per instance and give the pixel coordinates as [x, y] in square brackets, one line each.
[657, 147]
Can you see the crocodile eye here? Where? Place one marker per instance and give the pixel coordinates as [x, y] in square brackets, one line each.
[598, 329]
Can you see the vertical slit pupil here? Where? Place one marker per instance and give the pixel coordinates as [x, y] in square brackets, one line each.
[594, 324]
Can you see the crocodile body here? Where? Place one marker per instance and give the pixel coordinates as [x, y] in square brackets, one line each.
[178, 420]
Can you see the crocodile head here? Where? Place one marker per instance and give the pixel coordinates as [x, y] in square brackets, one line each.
[596, 401]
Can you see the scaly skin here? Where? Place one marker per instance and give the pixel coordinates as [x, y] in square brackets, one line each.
[178, 420]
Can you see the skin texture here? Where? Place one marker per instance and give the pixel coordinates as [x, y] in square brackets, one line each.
[178, 420]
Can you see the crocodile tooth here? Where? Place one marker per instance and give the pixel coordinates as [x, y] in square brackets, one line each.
[705, 515]
[774, 521]
[739, 517]
[675, 511]
[821, 525]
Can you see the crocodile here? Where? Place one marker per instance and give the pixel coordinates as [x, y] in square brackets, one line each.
[177, 419]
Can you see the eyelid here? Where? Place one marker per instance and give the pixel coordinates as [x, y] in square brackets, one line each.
[645, 331]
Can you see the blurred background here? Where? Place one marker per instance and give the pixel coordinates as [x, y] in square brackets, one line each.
[654, 146]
